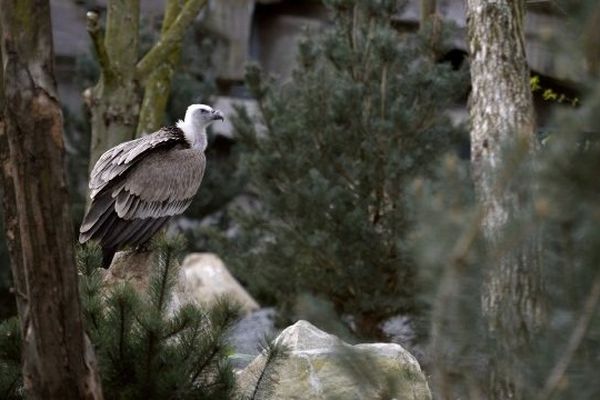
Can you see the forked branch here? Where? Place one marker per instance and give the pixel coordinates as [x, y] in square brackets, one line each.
[170, 39]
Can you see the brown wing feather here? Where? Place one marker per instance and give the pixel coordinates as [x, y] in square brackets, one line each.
[120, 158]
[161, 185]
[149, 231]
[135, 191]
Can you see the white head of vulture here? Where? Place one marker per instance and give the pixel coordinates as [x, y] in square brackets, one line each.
[137, 186]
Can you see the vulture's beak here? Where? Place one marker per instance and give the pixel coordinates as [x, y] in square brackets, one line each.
[218, 115]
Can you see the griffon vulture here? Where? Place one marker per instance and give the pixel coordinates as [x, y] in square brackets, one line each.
[137, 186]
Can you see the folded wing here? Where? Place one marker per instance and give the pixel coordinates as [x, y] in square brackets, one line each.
[138, 186]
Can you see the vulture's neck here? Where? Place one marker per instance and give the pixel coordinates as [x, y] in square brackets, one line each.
[194, 135]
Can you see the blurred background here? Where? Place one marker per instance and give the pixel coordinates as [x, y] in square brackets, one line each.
[352, 229]
[228, 35]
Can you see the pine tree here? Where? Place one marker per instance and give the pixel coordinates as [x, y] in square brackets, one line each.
[146, 351]
[561, 188]
[361, 117]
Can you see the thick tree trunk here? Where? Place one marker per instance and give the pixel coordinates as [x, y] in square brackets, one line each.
[502, 114]
[58, 360]
[591, 41]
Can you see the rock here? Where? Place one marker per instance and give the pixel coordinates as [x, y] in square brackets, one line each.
[130, 266]
[203, 279]
[321, 366]
[206, 279]
[248, 335]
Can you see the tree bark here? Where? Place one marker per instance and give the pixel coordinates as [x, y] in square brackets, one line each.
[58, 360]
[115, 100]
[502, 115]
[591, 41]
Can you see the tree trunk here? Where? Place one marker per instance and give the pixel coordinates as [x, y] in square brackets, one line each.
[115, 99]
[502, 114]
[58, 360]
[591, 41]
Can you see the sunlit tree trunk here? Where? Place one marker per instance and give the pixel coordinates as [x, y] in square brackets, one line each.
[591, 41]
[58, 359]
[502, 115]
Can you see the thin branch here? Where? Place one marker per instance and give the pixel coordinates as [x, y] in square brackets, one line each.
[93, 28]
[170, 39]
[575, 340]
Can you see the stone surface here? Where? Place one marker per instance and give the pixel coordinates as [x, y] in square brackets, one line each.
[130, 266]
[231, 21]
[206, 279]
[248, 335]
[321, 366]
[203, 278]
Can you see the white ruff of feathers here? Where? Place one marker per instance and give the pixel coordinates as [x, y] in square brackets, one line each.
[193, 130]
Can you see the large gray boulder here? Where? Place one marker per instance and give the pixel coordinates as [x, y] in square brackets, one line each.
[206, 279]
[321, 366]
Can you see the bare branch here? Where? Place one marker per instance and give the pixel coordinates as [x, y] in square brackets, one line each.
[93, 28]
[170, 39]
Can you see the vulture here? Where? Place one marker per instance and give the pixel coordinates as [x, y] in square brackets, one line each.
[137, 186]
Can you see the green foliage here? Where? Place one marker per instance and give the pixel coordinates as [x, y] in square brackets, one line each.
[559, 358]
[267, 378]
[549, 94]
[360, 118]
[144, 349]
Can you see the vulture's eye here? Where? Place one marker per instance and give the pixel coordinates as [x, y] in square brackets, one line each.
[203, 111]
